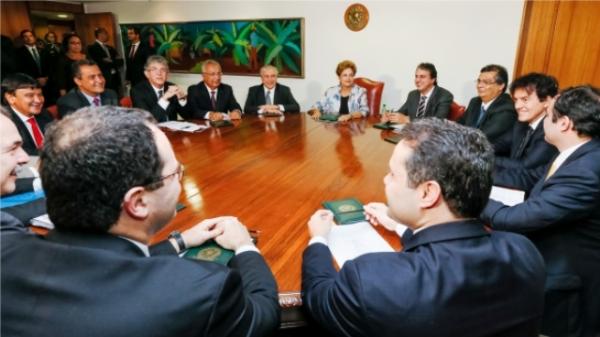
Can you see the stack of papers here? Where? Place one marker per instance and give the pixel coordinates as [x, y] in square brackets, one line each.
[183, 126]
[347, 242]
[507, 196]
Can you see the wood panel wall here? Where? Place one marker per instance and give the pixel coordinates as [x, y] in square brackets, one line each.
[14, 17]
[561, 38]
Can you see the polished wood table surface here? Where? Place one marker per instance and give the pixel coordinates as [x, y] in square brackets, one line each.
[273, 174]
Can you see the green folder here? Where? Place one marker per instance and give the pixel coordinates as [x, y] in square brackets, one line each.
[221, 123]
[393, 139]
[210, 251]
[328, 118]
[346, 211]
[384, 126]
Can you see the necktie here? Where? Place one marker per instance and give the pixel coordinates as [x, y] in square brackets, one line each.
[213, 100]
[552, 169]
[421, 107]
[96, 101]
[160, 93]
[268, 98]
[36, 57]
[37, 133]
[105, 50]
[132, 51]
[519, 153]
[481, 116]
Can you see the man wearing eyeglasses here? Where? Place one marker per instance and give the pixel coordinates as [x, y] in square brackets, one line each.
[112, 182]
[492, 111]
[211, 99]
[162, 98]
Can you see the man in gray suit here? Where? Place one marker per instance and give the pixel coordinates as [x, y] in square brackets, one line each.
[428, 100]
[90, 89]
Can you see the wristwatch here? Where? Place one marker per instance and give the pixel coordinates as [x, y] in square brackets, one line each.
[179, 239]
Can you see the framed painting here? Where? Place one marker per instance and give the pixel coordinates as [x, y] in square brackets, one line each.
[242, 47]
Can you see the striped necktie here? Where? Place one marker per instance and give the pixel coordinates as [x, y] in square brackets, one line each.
[421, 107]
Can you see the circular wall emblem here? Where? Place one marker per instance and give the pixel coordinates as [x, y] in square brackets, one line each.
[356, 17]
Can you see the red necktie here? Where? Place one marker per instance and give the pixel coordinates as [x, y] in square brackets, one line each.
[37, 133]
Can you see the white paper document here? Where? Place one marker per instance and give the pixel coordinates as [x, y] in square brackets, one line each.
[507, 196]
[347, 242]
[42, 221]
[183, 126]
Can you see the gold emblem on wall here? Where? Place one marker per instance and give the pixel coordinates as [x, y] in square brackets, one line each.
[356, 17]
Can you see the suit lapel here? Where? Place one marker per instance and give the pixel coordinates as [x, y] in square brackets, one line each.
[22, 128]
[431, 101]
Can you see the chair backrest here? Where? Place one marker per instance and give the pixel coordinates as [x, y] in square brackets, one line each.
[53, 110]
[126, 102]
[456, 111]
[374, 91]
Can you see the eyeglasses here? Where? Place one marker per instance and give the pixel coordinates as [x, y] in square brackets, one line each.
[485, 82]
[179, 172]
[213, 74]
[157, 70]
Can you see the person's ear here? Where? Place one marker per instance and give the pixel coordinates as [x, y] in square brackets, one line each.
[430, 193]
[135, 203]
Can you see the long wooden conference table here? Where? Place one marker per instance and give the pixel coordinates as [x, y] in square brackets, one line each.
[273, 174]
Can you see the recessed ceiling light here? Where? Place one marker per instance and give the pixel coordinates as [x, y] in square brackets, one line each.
[62, 16]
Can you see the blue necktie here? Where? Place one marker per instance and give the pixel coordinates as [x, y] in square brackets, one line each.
[481, 117]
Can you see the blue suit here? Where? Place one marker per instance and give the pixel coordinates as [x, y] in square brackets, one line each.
[537, 152]
[562, 218]
[453, 279]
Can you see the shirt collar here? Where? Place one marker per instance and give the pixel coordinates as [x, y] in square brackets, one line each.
[90, 98]
[21, 115]
[536, 122]
[487, 105]
[141, 246]
[428, 93]
[216, 90]
[267, 89]
[564, 155]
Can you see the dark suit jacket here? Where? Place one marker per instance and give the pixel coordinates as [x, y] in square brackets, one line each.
[26, 64]
[537, 151]
[74, 100]
[199, 100]
[499, 118]
[135, 65]
[27, 211]
[432, 288]
[438, 104]
[562, 218]
[283, 95]
[97, 53]
[43, 119]
[73, 284]
[144, 97]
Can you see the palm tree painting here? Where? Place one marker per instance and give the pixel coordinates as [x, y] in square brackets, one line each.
[241, 46]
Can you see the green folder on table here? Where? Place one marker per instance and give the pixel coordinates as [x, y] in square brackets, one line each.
[384, 126]
[210, 251]
[346, 211]
[221, 123]
[329, 118]
[393, 139]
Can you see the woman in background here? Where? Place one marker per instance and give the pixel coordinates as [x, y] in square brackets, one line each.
[73, 52]
[52, 55]
[345, 100]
